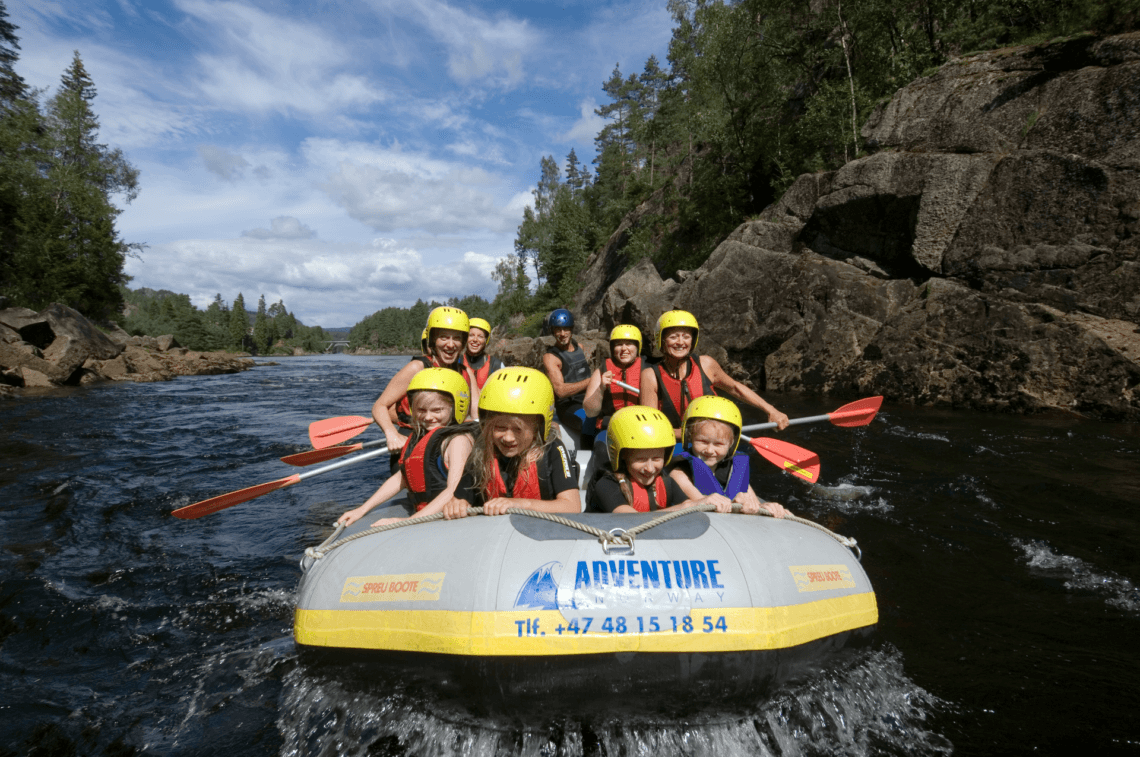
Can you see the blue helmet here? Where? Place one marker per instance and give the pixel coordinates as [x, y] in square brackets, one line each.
[561, 318]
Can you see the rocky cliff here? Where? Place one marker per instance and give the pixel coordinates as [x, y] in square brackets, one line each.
[984, 254]
[59, 347]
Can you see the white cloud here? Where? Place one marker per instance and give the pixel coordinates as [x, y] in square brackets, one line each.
[588, 124]
[269, 63]
[478, 48]
[282, 227]
[390, 189]
[323, 283]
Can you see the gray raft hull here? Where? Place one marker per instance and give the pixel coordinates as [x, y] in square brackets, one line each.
[525, 607]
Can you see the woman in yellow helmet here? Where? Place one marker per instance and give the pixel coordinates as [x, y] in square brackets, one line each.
[603, 397]
[447, 329]
[680, 378]
[432, 461]
[640, 445]
[518, 460]
[476, 358]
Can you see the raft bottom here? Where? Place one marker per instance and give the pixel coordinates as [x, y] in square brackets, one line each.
[672, 683]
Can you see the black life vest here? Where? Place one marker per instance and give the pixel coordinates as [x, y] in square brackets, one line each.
[674, 395]
[574, 365]
[422, 463]
[615, 397]
[644, 501]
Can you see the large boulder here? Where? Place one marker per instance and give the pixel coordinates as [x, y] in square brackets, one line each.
[985, 254]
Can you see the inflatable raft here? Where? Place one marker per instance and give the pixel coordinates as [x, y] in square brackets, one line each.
[519, 600]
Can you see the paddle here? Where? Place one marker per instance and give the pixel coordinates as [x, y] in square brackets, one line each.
[792, 459]
[332, 431]
[221, 502]
[795, 460]
[857, 413]
[313, 456]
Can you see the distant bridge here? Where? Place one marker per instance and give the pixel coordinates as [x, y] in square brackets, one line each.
[335, 345]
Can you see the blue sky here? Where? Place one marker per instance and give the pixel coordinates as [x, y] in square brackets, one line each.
[341, 156]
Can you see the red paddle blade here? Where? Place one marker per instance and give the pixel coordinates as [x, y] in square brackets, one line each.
[332, 431]
[857, 413]
[212, 505]
[790, 458]
[320, 455]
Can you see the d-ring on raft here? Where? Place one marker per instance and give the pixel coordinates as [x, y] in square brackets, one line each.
[517, 604]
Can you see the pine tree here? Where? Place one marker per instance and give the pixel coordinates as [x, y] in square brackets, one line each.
[12, 86]
[261, 327]
[77, 256]
[239, 323]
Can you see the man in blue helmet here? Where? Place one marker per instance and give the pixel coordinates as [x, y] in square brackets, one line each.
[565, 364]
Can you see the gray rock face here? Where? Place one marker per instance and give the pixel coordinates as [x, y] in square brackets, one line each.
[59, 347]
[986, 254]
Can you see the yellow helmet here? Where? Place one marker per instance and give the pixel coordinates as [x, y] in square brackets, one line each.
[447, 381]
[713, 408]
[625, 331]
[639, 427]
[671, 318]
[424, 342]
[445, 317]
[519, 391]
[480, 323]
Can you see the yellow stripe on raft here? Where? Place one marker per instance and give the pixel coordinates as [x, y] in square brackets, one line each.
[533, 633]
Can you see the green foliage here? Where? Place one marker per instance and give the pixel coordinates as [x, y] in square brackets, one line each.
[57, 221]
[154, 313]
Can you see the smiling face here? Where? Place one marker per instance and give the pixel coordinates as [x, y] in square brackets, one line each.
[644, 465]
[624, 351]
[513, 434]
[561, 336]
[711, 440]
[448, 344]
[677, 342]
[476, 341]
[431, 409]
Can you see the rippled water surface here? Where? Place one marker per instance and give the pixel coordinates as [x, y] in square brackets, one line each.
[1003, 551]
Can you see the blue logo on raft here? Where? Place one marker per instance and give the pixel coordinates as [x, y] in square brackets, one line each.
[540, 592]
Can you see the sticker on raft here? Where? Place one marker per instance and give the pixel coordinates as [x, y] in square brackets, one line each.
[821, 577]
[592, 585]
[402, 587]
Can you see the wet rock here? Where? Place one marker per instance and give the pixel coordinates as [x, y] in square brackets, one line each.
[986, 254]
[165, 343]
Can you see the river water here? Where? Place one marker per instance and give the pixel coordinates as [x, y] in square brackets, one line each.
[1003, 551]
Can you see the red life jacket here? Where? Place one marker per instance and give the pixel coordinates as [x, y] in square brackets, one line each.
[674, 395]
[487, 366]
[404, 406]
[616, 397]
[641, 501]
[422, 463]
[527, 484]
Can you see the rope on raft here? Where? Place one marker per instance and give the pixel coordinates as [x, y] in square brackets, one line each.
[619, 538]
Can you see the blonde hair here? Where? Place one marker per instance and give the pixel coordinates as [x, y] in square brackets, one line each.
[480, 463]
[418, 427]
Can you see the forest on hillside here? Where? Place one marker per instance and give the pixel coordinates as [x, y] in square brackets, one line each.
[754, 93]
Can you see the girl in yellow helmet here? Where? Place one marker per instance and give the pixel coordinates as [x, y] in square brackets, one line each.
[431, 463]
[447, 329]
[680, 378]
[709, 463]
[517, 460]
[640, 445]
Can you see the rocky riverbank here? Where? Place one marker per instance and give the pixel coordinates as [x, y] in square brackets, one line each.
[985, 254]
[59, 347]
